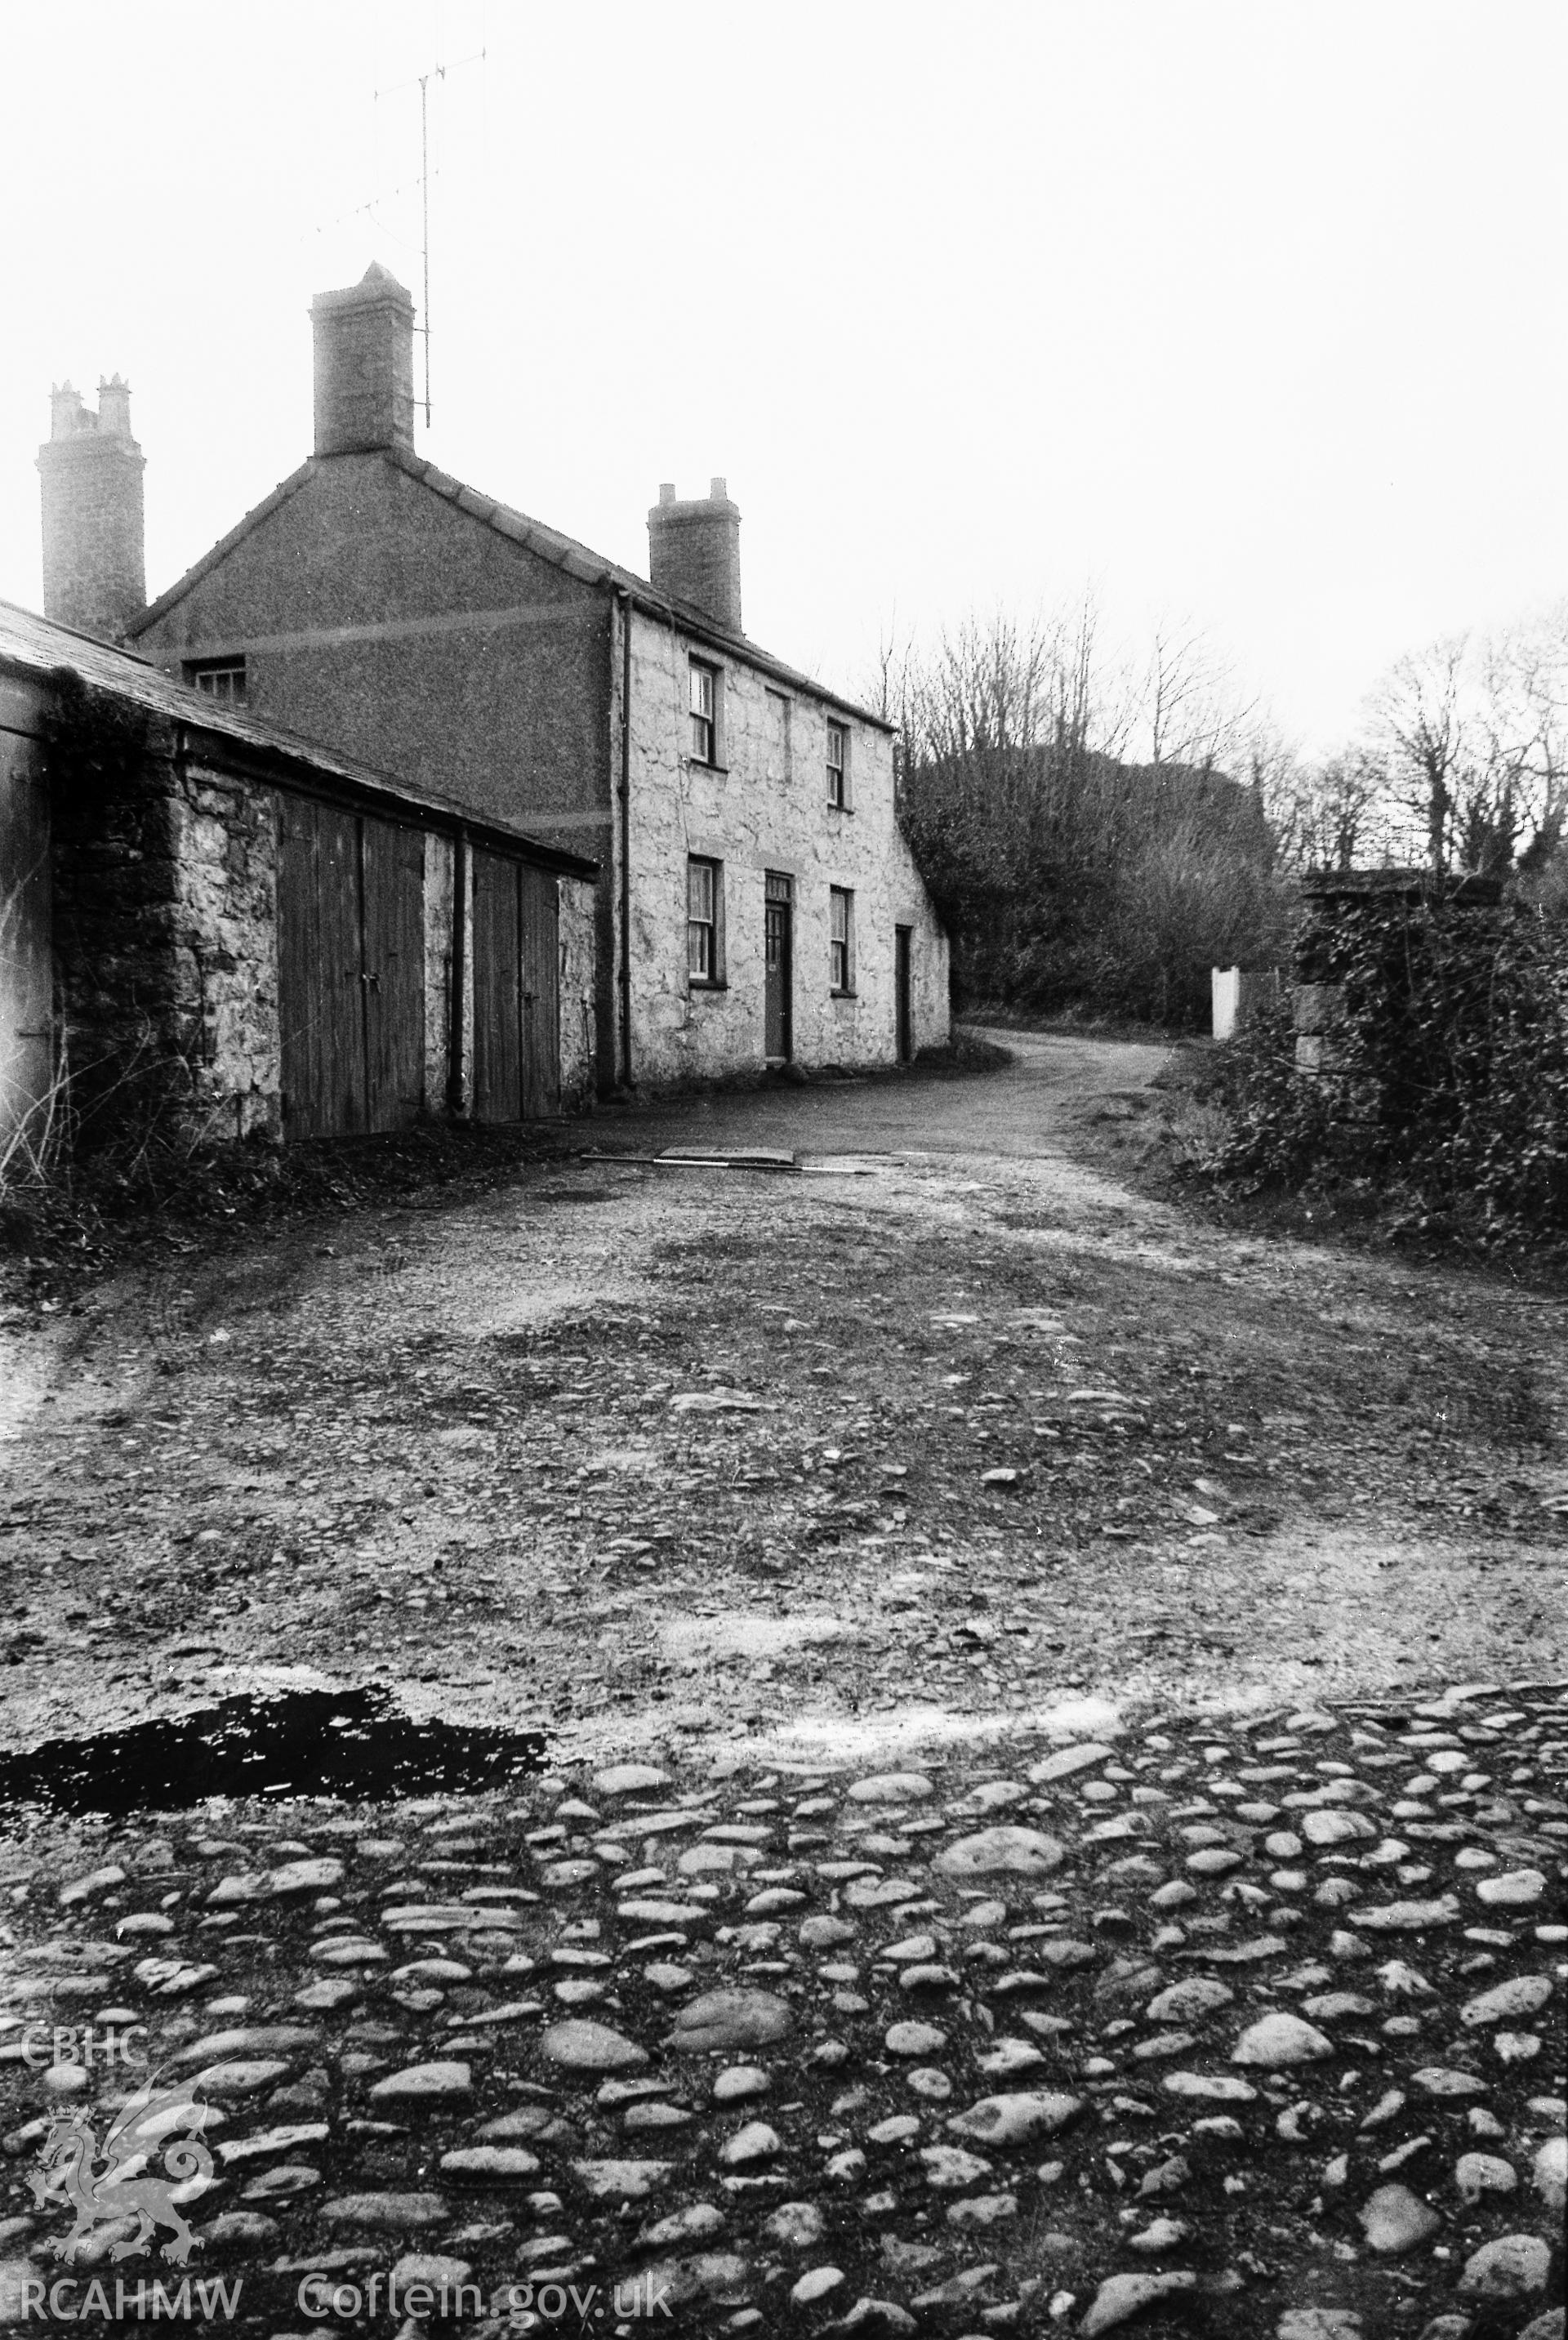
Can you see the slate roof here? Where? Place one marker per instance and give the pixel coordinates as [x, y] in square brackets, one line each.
[39, 647]
[548, 544]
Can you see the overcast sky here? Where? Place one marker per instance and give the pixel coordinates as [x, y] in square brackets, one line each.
[1248, 313]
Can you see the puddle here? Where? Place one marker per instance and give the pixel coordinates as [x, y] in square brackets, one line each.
[354, 1744]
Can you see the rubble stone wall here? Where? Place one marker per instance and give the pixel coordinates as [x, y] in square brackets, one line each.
[165, 942]
[161, 876]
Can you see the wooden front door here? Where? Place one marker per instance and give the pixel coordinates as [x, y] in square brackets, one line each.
[351, 970]
[516, 991]
[902, 1008]
[778, 917]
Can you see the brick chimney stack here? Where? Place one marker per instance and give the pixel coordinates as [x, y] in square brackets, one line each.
[364, 366]
[94, 565]
[694, 552]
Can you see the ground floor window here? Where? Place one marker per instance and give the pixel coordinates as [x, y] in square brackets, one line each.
[704, 901]
[841, 937]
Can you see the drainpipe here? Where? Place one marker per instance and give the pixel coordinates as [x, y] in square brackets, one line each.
[624, 600]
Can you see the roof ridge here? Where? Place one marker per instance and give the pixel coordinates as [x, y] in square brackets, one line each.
[536, 536]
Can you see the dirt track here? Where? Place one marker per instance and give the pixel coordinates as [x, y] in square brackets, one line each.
[641, 1452]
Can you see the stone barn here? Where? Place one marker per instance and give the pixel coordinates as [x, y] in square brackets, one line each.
[207, 920]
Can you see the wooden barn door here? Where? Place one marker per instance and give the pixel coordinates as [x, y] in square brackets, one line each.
[351, 970]
[26, 960]
[497, 991]
[320, 1000]
[392, 891]
[516, 991]
[541, 993]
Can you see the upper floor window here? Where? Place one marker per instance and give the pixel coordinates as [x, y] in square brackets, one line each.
[704, 713]
[221, 679]
[837, 763]
[703, 903]
[841, 937]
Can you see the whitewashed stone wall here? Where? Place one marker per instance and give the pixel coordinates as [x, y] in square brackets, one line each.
[440, 873]
[767, 810]
[223, 929]
[579, 1060]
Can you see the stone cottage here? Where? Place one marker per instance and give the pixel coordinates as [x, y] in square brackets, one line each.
[206, 922]
[755, 904]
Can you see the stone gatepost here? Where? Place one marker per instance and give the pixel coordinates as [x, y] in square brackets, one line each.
[1336, 907]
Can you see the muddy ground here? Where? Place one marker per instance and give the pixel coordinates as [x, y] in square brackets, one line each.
[955, 1426]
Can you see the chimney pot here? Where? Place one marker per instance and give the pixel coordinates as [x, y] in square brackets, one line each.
[364, 365]
[666, 487]
[89, 467]
[694, 552]
[115, 406]
[67, 414]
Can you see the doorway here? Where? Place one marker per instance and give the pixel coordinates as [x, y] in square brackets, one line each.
[351, 970]
[26, 955]
[516, 991]
[902, 939]
[778, 920]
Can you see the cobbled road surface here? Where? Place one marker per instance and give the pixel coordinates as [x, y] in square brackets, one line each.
[1243, 2029]
[1055, 1817]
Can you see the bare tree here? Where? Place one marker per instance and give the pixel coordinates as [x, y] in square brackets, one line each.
[1470, 740]
[1322, 815]
[1347, 814]
[1003, 684]
[884, 688]
[1279, 780]
[1194, 707]
[1530, 669]
[1022, 800]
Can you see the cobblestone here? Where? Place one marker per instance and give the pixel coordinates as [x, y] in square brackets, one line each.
[821, 2157]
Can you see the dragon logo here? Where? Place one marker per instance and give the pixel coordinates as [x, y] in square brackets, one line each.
[112, 2191]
